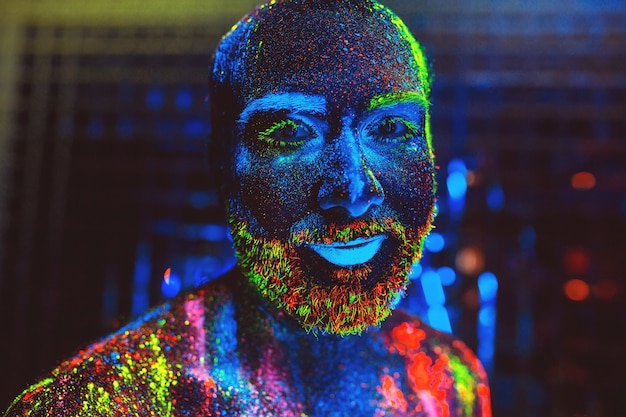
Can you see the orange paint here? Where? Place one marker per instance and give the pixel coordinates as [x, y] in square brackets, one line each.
[406, 338]
[393, 396]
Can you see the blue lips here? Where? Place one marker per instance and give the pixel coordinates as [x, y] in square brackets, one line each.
[351, 253]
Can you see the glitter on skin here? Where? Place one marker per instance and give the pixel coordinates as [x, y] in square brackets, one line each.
[224, 349]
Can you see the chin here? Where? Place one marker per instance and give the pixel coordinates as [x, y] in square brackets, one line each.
[323, 297]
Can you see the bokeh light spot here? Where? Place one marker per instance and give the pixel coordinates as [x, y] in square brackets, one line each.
[576, 261]
[605, 289]
[171, 284]
[487, 286]
[495, 198]
[583, 180]
[470, 260]
[457, 185]
[433, 291]
[447, 275]
[435, 242]
[155, 99]
[576, 289]
[184, 99]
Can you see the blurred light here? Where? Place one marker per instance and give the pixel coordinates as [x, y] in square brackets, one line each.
[576, 261]
[214, 232]
[576, 289]
[141, 279]
[155, 99]
[433, 291]
[487, 287]
[434, 242]
[457, 165]
[416, 271]
[470, 260]
[527, 237]
[200, 199]
[439, 319]
[446, 275]
[495, 198]
[487, 316]
[124, 127]
[583, 180]
[525, 333]
[471, 299]
[457, 185]
[171, 285]
[164, 127]
[605, 289]
[184, 99]
[95, 128]
[485, 353]
[196, 127]
[471, 178]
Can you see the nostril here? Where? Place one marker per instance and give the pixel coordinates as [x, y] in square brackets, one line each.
[356, 197]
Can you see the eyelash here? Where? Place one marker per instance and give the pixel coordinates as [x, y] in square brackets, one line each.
[266, 134]
[412, 130]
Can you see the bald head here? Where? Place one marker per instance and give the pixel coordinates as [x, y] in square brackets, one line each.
[347, 51]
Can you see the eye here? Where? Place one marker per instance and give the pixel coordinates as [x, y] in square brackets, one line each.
[393, 129]
[286, 132]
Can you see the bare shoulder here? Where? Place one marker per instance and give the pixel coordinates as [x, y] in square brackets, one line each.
[135, 370]
[440, 368]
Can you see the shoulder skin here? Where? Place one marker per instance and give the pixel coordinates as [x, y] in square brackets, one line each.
[182, 359]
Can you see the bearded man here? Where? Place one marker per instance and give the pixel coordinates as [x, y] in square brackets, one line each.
[321, 144]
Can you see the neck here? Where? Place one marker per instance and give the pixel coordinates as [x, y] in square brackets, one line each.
[272, 328]
[316, 369]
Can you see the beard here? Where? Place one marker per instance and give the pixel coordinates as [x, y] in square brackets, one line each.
[322, 296]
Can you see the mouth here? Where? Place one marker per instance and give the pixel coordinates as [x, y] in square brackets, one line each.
[354, 252]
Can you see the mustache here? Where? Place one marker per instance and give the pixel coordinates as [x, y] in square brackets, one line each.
[315, 229]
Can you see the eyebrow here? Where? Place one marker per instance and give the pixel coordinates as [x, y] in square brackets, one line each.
[397, 97]
[293, 102]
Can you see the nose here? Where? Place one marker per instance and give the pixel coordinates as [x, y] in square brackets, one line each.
[350, 184]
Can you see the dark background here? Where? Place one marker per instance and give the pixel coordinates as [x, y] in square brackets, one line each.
[104, 184]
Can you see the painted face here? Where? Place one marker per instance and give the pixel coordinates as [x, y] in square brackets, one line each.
[331, 190]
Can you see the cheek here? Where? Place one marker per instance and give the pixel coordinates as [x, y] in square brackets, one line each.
[276, 194]
[407, 180]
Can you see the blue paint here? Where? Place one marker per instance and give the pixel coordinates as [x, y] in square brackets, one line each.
[293, 102]
[351, 253]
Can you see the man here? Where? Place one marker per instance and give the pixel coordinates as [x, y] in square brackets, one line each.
[322, 147]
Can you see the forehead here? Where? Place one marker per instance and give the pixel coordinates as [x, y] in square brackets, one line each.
[347, 53]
